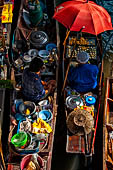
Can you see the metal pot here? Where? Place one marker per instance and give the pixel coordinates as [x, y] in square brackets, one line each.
[38, 39]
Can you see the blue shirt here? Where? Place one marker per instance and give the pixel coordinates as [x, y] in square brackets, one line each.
[83, 78]
[32, 87]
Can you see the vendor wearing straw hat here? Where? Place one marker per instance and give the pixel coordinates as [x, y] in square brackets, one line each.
[83, 78]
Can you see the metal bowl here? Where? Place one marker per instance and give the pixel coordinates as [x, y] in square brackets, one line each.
[33, 53]
[44, 54]
[27, 105]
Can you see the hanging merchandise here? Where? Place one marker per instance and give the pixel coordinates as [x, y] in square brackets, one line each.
[43, 5]
[26, 18]
[38, 39]
[35, 12]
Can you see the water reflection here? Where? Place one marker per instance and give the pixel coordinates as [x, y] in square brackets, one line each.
[108, 5]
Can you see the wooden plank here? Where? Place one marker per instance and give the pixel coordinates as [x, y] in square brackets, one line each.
[107, 121]
[104, 127]
[48, 151]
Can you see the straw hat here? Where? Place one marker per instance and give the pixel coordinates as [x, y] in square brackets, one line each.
[80, 122]
[82, 57]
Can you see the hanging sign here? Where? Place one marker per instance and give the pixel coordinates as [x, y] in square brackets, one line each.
[7, 14]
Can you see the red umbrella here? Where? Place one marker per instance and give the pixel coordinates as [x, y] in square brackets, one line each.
[75, 14]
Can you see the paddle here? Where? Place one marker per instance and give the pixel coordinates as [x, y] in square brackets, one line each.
[72, 52]
[1, 152]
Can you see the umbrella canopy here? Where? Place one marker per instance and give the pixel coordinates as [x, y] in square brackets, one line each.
[75, 14]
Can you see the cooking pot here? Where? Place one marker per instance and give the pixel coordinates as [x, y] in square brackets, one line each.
[38, 39]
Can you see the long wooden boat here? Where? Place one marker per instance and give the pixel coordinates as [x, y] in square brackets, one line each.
[108, 126]
[46, 29]
[79, 141]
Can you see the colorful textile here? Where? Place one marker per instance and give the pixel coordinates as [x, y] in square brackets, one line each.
[83, 78]
[31, 85]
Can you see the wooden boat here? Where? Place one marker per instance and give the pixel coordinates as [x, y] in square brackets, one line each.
[108, 126]
[22, 36]
[79, 141]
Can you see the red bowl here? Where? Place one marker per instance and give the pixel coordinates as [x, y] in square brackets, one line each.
[26, 159]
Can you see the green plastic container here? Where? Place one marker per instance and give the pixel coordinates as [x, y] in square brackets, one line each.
[19, 139]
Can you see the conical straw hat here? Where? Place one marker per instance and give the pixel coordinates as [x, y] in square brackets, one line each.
[80, 122]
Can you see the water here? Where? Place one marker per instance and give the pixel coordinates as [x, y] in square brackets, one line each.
[108, 5]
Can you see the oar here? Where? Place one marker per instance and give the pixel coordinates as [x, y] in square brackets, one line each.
[72, 52]
[69, 65]
[64, 51]
[1, 152]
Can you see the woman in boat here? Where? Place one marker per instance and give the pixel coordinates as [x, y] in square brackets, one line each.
[83, 78]
[33, 88]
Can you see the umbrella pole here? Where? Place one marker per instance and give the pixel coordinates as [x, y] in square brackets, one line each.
[67, 35]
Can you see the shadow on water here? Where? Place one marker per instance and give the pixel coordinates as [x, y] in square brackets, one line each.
[69, 162]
